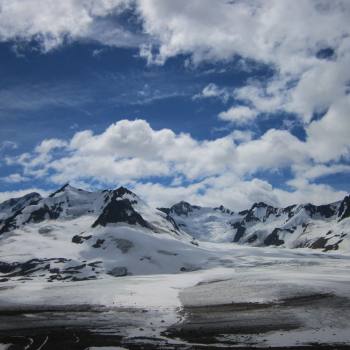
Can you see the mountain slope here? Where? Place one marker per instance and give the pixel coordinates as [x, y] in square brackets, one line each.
[13, 205]
[324, 227]
[75, 234]
[203, 223]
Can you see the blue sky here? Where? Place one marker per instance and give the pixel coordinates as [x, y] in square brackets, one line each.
[177, 101]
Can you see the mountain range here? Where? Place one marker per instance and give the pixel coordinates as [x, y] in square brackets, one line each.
[75, 234]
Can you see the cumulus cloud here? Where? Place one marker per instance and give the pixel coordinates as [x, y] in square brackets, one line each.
[213, 91]
[328, 138]
[235, 193]
[291, 37]
[240, 115]
[129, 150]
[8, 145]
[19, 193]
[51, 23]
[305, 43]
[208, 172]
[14, 178]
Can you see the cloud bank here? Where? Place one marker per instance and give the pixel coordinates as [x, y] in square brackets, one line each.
[306, 44]
[165, 166]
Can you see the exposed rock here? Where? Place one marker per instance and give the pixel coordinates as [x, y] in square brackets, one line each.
[224, 210]
[325, 211]
[183, 208]
[118, 271]
[240, 231]
[45, 229]
[344, 209]
[273, 238]
[165, 210]
[80, 239]
[14, 205]
[98, 243]
[59, 190]
[44, 213]
[124, 245]
[165, 252]
[120, 210]
[252, 238]
[320, 243]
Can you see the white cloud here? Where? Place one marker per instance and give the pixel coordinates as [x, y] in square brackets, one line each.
[52, 22]
[305, 192]
[311, 172]
[5, 195]
[208, 172]
[273, 150]
[239, 115]
[285, 35]
[129, 150]
[8, 145]
[278, 32]
[267, 98]
[14, 178]
[213, 91]
[49, 145]
[328, 138]
[235, 193]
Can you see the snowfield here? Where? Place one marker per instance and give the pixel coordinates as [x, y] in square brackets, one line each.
[106, 261]
[309, 290]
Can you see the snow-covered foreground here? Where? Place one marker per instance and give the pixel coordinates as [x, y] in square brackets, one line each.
[82, 269]
[260, 296]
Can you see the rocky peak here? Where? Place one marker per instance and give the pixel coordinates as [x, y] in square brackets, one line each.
[224, 210]
[120, 210]
[325, 211]
[259, 205]
[259, 211]
[183, 208]
[14, 206]
[60, 190]
[13, 202]
[344, 208]
[66, 189]
[121, 191]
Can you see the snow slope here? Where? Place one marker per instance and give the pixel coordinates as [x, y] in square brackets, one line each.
[203, 223]
[324, 227]
[75, 235]
[65, 251]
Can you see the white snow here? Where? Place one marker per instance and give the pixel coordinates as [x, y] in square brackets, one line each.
[166, 272]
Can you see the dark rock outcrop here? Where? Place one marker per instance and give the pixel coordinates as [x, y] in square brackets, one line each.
[240, 231]
[273, 238]
[120, 210]
[183, 208]
[80, 239]
[59, 190]
[44, 213]
[344, 209]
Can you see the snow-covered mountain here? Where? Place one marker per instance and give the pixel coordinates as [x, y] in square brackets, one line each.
[324, 227]
[203, 223]
[13, 205]
[75, 234]
[320, 227]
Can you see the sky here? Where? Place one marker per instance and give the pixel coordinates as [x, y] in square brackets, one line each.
[209, 101]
